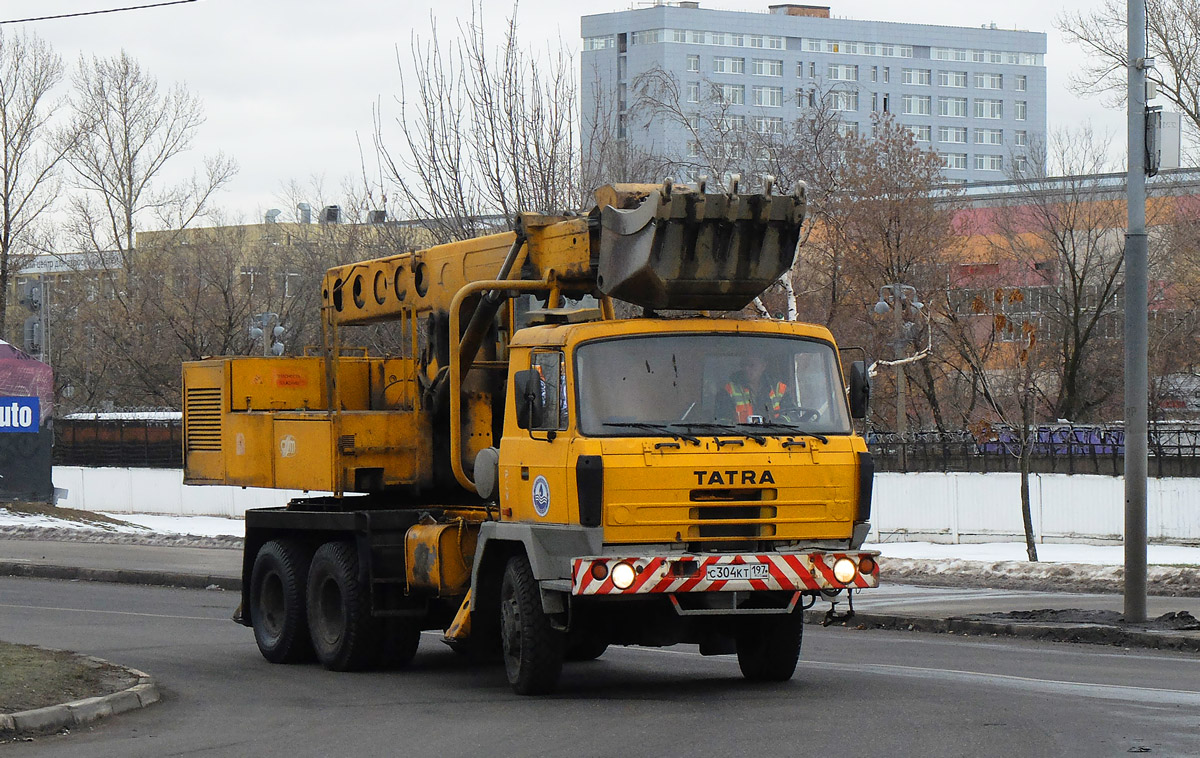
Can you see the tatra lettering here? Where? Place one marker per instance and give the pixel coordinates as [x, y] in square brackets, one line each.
[704, 477]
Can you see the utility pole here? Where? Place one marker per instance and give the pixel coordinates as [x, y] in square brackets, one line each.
[1136, 337]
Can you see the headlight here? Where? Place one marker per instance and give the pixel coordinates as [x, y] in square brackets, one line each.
[844, 570]
[623, 576]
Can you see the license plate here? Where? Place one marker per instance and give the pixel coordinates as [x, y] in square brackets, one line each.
[728, 571]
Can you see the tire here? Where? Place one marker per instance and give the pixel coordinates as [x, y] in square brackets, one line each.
[586, 649]
[344, 635]
[533, 650]
[277, 607]
[769, 647]
[398, 642]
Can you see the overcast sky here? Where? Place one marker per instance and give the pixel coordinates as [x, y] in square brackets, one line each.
[288, 86]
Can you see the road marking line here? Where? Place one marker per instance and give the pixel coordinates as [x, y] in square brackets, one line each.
[113, 613]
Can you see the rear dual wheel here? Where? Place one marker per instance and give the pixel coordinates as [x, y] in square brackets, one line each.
[277, 601]
[768, 647]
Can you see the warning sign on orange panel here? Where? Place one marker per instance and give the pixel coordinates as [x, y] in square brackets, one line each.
[290, 379]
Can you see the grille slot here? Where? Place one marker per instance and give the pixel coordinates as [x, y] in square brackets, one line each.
[203, 419]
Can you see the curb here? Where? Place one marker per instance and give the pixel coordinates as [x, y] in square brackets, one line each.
[120, 576]
[1095, 634]
[53, 718]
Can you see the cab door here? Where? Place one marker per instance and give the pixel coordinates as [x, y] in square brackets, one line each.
[535, 483]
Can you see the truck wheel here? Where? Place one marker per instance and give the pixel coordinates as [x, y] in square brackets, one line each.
[586, 649]
[344, 635]
[533, 650]
[398, 643]
[277, 610]
[768, 647]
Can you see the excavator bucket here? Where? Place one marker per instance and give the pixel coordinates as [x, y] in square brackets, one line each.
[668, 247]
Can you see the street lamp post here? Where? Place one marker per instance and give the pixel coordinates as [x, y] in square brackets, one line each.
[894, 298]
[258, 330]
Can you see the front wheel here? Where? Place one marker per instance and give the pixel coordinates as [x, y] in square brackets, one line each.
[533, 649]
[768, 647]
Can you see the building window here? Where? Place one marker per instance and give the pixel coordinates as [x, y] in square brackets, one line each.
[952, 78]
[915, 105]
[989, 81]
[989, 162]
[814, 45]
[916, 76]
[989, 108]
[920, 132]
[1020, 163]
[1021, 138]
[955, 107]
[812, 70]
[887, 74]
[726, 65]
[1021, 81]
[693, 64]
[843, 100]
[989, 136]
[953, 134]
[732, 123]
[799, 69]
[768, 124]
[947, 54]
[1019, 110]
[732, 94]
[693, 92]
[767, 67]
[648, 37]
[954, 160]
[843, 72]
[599, 43]
[847, 129]
[874, 73]
[693, 149]
[768, 97]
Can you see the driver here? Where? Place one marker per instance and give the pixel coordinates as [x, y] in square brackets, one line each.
[750, 392]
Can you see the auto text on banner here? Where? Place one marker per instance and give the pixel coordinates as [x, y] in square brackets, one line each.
[20, 414]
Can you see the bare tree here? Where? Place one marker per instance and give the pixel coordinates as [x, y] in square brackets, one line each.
[129, 131]
[883, 225]
[1172, 39]
[1064, 233]
[483, 134]
[29, 154]
[988, 339]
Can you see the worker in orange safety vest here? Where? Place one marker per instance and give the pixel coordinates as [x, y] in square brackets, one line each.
[750, 393]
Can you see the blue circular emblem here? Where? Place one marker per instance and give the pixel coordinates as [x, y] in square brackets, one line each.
[541, 496]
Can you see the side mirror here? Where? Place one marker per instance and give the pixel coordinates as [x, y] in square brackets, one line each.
[860, 389]
[527, 392]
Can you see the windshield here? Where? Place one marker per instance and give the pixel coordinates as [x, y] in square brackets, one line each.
[704, 384]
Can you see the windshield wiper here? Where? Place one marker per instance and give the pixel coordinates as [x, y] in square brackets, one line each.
[647, 426]
[727, 428]
[791, 428]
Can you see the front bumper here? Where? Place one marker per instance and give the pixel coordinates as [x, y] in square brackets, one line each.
[686, 573]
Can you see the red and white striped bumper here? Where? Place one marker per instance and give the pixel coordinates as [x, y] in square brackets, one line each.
[696, 573]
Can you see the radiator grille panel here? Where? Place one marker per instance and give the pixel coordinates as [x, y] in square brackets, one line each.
[203, 419]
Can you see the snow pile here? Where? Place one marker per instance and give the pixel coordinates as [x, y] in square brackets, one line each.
[991, 552]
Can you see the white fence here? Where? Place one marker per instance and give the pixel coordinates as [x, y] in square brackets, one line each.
[927, 506]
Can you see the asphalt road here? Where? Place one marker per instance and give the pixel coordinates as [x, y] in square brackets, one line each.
[856, 692]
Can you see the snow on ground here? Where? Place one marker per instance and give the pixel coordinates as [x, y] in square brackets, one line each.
[199, 526]
[989, 552]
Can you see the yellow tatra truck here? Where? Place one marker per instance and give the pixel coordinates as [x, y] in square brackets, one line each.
[537, 477]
